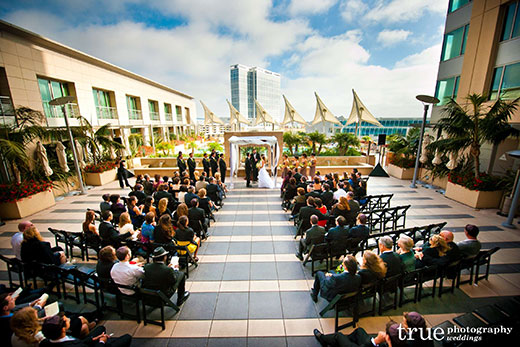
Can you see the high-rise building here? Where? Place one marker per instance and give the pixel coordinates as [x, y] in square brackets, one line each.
[250, 83]
[481, 54]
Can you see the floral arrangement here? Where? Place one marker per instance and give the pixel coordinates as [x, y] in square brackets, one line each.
[485, 183]
[16, 191]
[100, 167]
[403, 161]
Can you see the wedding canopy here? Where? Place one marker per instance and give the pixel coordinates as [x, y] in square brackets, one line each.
[236, 141]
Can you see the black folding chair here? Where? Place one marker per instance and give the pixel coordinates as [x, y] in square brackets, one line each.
[317, 252]
[389, 286]
[342, 302]
[14, 266]
[156, 299]
[484, 258]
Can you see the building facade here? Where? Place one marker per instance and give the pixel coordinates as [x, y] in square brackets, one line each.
[214, 130]
[250, 83]
[481, 54]
[34, 70]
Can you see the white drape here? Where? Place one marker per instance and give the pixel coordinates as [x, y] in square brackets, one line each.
[236, 141]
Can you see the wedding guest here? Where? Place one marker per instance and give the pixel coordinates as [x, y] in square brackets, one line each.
[107, 259]
[405, 251]
[139, 193]
[163, 232]
[90, 231]
[436, 254]
[117, 206]
[470, 246]
[26, 328]
[340, 192]
[109, 235]
[125, 224]
[182, 210]
[125, 273]
[162, 208]
[373, 268]
[35, 249]
[329, 285]
[147, 185]
[105, 204]
[17, 238]
[393, 261]
[342, 208]
[360, 231]
[314, 235]
[323, 209]
[148, 205]
[185, 233]
[148, 227]
[135, 212]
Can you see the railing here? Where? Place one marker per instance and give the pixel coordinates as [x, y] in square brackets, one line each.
[105, 112]
[57, 111]
[169, 117]
[135, 114]
[154, 115]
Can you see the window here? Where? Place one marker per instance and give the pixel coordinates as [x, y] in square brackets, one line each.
[455, 43]
[153, 107]
[506, 82]
[168, 112]
[456, 4]
[447, 89]
[133, 104]
[188, 117]
[511, 22]
[104, 105]
[49, 90]
[178, 110]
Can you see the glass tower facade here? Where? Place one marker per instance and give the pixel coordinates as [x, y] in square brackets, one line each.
[390, 126]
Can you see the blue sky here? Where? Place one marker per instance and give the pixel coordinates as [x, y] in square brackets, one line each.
[387, 50]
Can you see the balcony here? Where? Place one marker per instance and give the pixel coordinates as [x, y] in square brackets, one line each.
[154, 116]
[57, 111]
[135, 114]
[7, 110]
[169, 117]
[105, 112]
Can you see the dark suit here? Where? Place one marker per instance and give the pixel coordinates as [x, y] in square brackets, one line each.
[110, 236]
[359, 232]
[212, 190]
[368, 277]
[305, 216]
[247, 164]
[327, 198]
[313, 236]
[223, 168]
[162, 194]
[195, 215]
[358, 338]
[338, 233]
[393, 262]
[38, 251]
[205, 165]
[158, 276]
[213, 163]
[181, 164]
[140, 195]
[192, 165]
[190, 196]
[330, 286]
[255, 158]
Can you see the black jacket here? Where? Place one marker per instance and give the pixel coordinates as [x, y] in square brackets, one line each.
[247, 165]
[103, 269]
[359, 232]
[188, 197]
[393, 262]
[223, 166]
[339, 284]
[327, 198]
[212, 190]
[162, 194]
[368, 277]
[314, 235]
[214, 165]
[181, 164]
[39, 251]
[338, 233]
[158, 276]
[305, 216]
[140, 195]
[110, 236]
[192, 164]
[196, 213]
[205, 165]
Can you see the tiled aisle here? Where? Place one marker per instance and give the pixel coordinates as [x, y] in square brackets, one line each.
[250, 289]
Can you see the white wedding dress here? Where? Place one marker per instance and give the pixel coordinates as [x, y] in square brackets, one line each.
[264, 179]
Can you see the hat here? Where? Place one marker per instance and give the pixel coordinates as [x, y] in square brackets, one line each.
[24, 225]
[52, 327]
[159, 252]
[393, 331]
[415, 320]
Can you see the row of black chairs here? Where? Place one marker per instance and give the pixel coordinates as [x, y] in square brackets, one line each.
[375, 202]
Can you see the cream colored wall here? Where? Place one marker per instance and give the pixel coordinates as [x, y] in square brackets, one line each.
[23, 61]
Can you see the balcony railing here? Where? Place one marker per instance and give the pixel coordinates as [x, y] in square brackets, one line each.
[169, 117]
[135, 114]
[154, 115]
[57, 111]
[105, 112]
[6, 106]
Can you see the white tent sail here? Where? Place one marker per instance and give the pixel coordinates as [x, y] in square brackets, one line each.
[323, 114]
[261, 115]
[210, 117]
[360, 113]
[291, 116]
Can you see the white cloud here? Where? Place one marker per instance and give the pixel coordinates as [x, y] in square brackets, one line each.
[404, 10]
[299, 7]
[350, 9]
[391, 37]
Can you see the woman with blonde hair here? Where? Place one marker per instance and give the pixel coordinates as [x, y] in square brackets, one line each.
[26, 328]
[162, 208]
[35, 249]
[435, 254]
[125, 224]
[373, 268]
[406, 253]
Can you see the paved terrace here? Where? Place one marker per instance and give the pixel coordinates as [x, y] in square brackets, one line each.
[251, 290]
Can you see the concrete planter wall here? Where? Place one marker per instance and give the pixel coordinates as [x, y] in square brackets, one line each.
[473, 198]
[399, 172]
[99, 179]
[62, 188]
[27, 206]
[426, 176]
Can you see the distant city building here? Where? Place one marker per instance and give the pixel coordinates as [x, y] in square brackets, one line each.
[250, 83]
[390, 126]
[214, 130]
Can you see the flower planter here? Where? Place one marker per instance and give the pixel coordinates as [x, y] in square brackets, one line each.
[473, 198]
[27, 206]
[426, 176]
[399, 172]
[101, 178]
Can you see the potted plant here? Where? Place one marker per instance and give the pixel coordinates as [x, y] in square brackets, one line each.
[467, 128]
[100, 173]
[403, 149]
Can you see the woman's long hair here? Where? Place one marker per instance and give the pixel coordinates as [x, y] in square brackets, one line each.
[89, 219]
[343, 203]
[182, 210]
[165, 223]
[163, 204]
[24, 324]
[374, 263]
[124, 219]
[437, 241]
[31, 233]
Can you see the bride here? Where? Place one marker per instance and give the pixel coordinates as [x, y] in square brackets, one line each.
[264, 180]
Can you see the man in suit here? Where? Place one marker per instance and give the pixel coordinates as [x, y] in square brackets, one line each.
[109, 235]
[139, 193]
[314, 235]
[339, 233]
[327, 196]
[213, 192]
[329, 285]
[192, 165]
[222, 166]
[202, 182]
[393, 262]
[205, 164]
[164, 277]
[162, 192]
[195, 215]
[190, 195]
[306, 213]
[147, 185]
[181, 163]
[360, 231]
[255, 158]
[471, 246]
[55, 330]
[360, 338]
[213, 162]
[354, 208]
[248, 167]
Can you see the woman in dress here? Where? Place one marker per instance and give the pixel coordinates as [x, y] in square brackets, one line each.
[303, 165]
[90, 231]
[285, 165]
[264, 180]
[312, 162]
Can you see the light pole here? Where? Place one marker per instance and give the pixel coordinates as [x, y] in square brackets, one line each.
[426, 100]
[63, 101]
[516, 196]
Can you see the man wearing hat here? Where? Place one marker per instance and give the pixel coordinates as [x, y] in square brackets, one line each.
[159, 276]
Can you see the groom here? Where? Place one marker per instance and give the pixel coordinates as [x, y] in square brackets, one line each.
[248, 164]
[255, 159]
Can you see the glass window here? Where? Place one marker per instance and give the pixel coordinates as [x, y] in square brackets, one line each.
[447, 89]
[50, 90]
[506, 82]
[456, 4]
[178, 110]
[455, 43]
[512, 22]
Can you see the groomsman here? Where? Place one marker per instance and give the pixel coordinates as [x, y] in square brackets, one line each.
[247, 164]
[181, 163]
[205, 164]
[223, 167]
[192, 165]
[213, 162]
[255, 159]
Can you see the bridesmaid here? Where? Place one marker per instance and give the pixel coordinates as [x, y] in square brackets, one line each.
[285, 165]
[312, 170]
[296, 164]
[303, 165]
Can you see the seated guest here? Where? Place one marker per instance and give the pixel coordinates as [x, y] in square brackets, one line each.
[186, 234]
[340, 232]
[26, 328]
[361, 192]
[354, 181]
[196, 215]
[394, 265]
[329, 285]
[190, 195]
[163, 232]
[354, 208]
[314, 235]
[316, 183]
[117, 206]
[106, 259]
[125, 224]
[89, 230]
[148, 205]
[157, 182]
[105, 204]
[7, 306]
[125, 273]
[342, 208]
[182, 210]
[35, 249]
[323, 209]
[147, 228]
[139, 193]
[327, 196]
[290, 190]
[213, 191]
[405, 251]
[183, 190]
[340, 192]
[160, 276]
[453, 251]
[306, 212]
[135, 212]
[17, 238]
[204, 202]
[360, 231]
[55, 331]
[147, 185]
[220, 184]
[162, 192]
[201, 183]
[471, 246]
[302, 183]
[435, 254]
[373, 268]
[109, 235]
[162, 208]
[139, 179]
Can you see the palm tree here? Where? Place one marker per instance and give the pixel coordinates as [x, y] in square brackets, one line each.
[472, 126]
[97, 141]
[291, 140]
[316, 138]
[344, 141]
